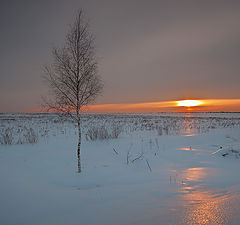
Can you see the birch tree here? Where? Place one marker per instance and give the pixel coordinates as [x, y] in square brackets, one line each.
[73, 76]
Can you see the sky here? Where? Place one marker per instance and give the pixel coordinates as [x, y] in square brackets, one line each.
[149, 51]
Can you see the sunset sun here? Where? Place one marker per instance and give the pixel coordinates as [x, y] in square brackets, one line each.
[189, 103]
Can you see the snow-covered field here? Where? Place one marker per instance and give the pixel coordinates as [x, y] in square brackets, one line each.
[137, 169]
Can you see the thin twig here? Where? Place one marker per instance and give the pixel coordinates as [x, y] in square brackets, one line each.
[128, 157]
[115, 151]
[149, 166]
[140, 156]
[217, 151]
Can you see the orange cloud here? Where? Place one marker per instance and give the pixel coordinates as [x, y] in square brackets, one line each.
[145, 107]
[200, 105]
[187, 105]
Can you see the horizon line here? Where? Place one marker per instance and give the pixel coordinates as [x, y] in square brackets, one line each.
[204, 106]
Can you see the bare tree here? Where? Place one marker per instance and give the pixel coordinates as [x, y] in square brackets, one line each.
[73, 76]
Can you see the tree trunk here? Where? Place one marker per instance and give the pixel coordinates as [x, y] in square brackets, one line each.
[79, 145]
[79, 132]
[79, 158]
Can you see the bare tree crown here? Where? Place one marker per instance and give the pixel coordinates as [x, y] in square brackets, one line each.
[73, 76]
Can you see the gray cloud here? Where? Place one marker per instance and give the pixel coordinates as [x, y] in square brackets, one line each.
[148, 50]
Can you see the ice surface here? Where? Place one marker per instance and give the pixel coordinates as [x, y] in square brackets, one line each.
[163, 170]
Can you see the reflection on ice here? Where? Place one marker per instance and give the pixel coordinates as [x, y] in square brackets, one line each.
[205, 207]
[188, 128]
[195, 174]
[202, 205]
[188, 149]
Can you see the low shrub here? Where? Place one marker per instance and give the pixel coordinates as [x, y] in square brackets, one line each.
[23, 135]
[101, 132]
[30, 136]
[7, 137]
[94, 133]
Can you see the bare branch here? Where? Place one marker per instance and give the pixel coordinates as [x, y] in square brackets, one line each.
[138, 157]
[73, 76]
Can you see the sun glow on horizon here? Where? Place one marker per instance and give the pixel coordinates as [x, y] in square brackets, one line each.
[189, 103]
[200, 105]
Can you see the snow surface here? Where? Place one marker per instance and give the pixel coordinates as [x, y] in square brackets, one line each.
[166, 169]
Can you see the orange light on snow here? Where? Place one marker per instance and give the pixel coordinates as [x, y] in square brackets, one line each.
[189, 103]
